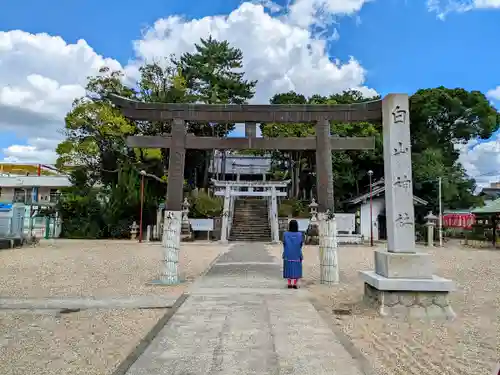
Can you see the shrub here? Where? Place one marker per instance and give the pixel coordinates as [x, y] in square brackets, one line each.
[294, 207]
[205, 206]
[284, 210]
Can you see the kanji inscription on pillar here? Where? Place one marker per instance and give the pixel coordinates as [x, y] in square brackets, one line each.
[398, 174]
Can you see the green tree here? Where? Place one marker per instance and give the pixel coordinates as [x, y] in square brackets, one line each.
[441, 117]
[349, 167]
[160, 82]
[80, 207]
[94, 131]
[122, 205]
[213, 75]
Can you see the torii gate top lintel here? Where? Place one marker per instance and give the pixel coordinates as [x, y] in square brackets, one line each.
[366, 111]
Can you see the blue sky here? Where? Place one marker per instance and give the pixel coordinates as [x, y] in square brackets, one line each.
[401, 45]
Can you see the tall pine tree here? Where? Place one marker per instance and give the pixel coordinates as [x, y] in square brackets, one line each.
[214, 75]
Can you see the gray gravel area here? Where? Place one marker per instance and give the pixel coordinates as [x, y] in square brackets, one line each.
[469, 345]
[106, 280]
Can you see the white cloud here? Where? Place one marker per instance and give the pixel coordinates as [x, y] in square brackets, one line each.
[38, 150]
[481, 160]
[305, 13]
[494, 94]
[40, 75]
[280, 52]
[443, 7]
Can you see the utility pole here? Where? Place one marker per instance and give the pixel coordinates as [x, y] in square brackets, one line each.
[440, 212]
[370, 174]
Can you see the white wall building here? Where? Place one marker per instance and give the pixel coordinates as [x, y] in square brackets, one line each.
[31, 189]
[36, 192]
[361, 204]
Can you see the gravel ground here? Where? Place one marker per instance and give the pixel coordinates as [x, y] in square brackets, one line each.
[470, 345]
[90, 341]
[74, 268]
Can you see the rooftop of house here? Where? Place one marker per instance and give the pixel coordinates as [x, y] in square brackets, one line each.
[490, 192]
[378, 189]
[15, 181]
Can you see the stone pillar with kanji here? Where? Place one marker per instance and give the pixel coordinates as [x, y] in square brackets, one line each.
[403, 283]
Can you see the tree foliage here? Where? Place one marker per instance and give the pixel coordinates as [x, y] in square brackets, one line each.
[204, 205]
[213, 75]
[349, 167]
[95, 132]
[441, 118]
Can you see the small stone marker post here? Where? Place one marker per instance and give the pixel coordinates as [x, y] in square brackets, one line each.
[148, 233]
[185, 226]
[159, 219]
[430, 224]
[225, 216]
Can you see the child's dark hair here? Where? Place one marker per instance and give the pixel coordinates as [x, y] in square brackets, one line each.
[293, 226]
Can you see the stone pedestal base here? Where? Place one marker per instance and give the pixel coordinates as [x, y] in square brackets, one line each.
[403, 265]
[408, 298]
[417, 305]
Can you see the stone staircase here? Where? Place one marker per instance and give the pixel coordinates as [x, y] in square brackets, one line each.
[250, 221]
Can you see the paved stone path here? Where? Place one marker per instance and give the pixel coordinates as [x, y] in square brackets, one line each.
[240, 319]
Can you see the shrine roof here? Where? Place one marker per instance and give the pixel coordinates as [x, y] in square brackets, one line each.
[379, 191]
[492, 207]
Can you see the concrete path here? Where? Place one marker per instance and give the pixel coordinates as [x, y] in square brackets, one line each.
[239, 320]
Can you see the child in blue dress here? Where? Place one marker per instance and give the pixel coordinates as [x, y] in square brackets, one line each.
[292, 254]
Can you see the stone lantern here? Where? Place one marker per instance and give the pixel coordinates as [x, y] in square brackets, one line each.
[134, 228]
[312, 234]
[431, 221]
[185, 226]
[185, 210]
[313, 209]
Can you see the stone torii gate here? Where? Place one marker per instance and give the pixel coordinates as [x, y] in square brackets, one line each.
[178, 141]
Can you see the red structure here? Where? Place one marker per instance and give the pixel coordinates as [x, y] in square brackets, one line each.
[463, 220]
